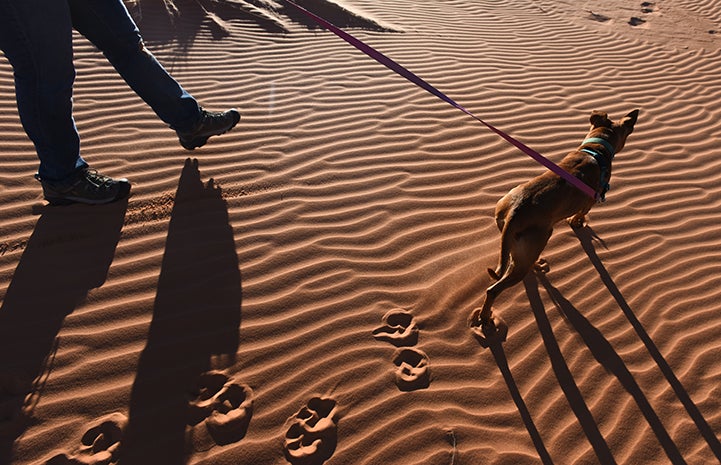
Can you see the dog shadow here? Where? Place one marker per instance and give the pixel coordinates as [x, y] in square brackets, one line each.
[564, 375]
[195, 324]
[496, 347]
[68, 254]
[602, 351]
[586, 237]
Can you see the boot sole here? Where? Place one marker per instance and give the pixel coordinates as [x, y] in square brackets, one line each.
[123, 192]
[201, 141]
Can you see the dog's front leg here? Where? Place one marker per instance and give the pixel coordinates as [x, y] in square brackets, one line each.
[579, 219]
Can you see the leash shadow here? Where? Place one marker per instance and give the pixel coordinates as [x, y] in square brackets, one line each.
[586, 236]
[564, 375]
[195, 323]
[68, 254]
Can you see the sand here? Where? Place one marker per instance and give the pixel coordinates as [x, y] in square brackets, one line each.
[298, 290]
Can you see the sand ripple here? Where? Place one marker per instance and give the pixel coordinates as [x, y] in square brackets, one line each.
[346, 193]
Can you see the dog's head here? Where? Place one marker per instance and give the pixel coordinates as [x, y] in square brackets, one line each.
[615, 132]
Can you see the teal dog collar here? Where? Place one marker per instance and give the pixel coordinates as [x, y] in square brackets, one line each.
[597, 140]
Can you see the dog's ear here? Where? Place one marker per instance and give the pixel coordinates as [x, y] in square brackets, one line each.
[629, 121]
[600, 119]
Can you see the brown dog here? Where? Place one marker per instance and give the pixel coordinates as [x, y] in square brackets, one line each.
[526, 215]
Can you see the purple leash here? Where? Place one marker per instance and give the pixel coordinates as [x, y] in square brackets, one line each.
[397, 68]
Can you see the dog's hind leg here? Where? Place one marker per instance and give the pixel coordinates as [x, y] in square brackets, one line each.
[524, 251]
[504, 259]
[505, 223]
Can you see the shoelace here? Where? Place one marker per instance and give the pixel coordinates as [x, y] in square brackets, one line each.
[212, 117]
[96, 179]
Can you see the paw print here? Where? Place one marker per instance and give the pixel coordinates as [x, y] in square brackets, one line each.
[100, 443]
[412, 369]
[399, 328]
[222, 405]
[313, 433]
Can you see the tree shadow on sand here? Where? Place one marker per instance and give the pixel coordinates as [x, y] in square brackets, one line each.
[68, 254]
[195, 326]
[180, 21]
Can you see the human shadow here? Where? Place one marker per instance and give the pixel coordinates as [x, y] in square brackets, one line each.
[586, 237]
[195, 325]
[499, 355]
[564, 376]
[605, 354]
[68, 254]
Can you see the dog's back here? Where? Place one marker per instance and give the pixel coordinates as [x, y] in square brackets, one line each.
[526, 215]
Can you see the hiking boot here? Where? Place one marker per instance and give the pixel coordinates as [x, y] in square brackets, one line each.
[210, 124]
[87, 186]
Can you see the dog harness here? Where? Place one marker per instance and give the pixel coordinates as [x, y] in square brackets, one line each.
[604, 165]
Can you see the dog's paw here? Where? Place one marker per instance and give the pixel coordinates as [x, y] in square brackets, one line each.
[542, 266]
[577, 221]
[412, 369]
[312, 435]
[491, 333]
[477, 319]
[399, 329]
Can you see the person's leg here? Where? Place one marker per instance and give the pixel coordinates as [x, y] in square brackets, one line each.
[108, 25]
[36, 37]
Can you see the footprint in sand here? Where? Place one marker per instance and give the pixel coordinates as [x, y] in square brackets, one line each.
[313, 433]
[646, 8]
[222, 406]
[100, 444]
[413, 369]
[399, 328]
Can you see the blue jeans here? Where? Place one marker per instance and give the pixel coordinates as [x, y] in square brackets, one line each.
[36, 37]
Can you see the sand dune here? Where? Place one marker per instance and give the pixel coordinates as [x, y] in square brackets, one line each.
[255, 279]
